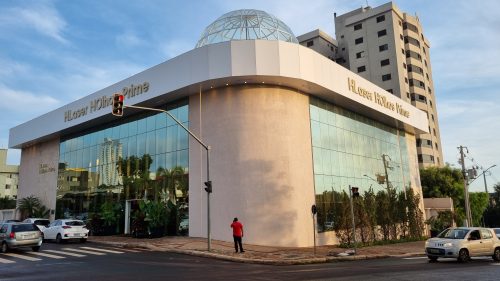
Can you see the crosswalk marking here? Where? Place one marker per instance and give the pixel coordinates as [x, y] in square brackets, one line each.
[126, 250]
[65, 253]
[47, 255]
[6, 261]
[414, 258]
[22, 257]
[102, 250]
[83, 251]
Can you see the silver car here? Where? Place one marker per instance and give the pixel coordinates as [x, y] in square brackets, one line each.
[15, 235]
[463, 243]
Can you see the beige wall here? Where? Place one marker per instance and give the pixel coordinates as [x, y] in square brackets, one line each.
[261, 164]
[38, 180]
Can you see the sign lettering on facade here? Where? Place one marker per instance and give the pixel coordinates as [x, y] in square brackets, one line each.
[377, 98]
[105, 101]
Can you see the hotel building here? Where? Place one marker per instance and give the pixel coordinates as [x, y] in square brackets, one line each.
[283, 122]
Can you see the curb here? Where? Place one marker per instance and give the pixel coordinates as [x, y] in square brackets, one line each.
[257, 260]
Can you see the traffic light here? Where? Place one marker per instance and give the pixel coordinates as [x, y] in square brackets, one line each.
[355, 192]
[208, 187]
[118, 104]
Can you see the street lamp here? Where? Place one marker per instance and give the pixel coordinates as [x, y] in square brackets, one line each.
[373, 180]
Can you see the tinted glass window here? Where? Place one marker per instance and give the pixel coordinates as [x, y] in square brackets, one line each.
[42, 222]
[24, 227]
[75, 223]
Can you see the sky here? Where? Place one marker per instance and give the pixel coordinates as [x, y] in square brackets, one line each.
[55, 52]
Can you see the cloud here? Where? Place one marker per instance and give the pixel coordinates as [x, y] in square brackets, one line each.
[128, 39]
[20, 101]
[175, 47]
[42, 18]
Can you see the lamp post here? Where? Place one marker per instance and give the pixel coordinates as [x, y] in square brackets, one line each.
[484, 177]
[208, 183]
[373, 180]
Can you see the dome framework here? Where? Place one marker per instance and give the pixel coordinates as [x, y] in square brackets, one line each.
[246, 24]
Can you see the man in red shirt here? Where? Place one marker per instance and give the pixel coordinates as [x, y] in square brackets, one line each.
[237, 234]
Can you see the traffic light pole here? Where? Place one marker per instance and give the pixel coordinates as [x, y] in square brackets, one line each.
[352, 216]
[207, 148]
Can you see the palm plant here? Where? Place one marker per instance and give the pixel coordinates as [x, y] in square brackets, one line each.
[28, 205]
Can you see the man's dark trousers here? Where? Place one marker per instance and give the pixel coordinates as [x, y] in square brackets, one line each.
[237, 241]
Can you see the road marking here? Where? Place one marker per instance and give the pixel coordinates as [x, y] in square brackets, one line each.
[102, 250]
[414, 258]
[22, 257]
[126, 250]
[65, 253]
[83, 251]
[6, 261]
[47, 255]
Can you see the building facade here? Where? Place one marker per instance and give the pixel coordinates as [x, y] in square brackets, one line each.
[9, 177]
[284, 124]
[388, 47]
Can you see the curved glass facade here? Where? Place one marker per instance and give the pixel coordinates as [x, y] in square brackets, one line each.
[350, 149]
[140, 158]
[246, 24]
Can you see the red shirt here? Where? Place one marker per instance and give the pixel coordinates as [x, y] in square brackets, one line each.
[237, 229]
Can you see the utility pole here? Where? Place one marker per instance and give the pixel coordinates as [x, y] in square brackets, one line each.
[386, 164]
[468, 215]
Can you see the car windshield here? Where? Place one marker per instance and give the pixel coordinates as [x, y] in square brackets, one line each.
[458, 233]
[75, 223]
[497, 230]
[24, 227]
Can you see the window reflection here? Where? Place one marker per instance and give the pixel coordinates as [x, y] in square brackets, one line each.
[137, 159]
[347, 146]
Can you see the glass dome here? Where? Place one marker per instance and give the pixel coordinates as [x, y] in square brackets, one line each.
[246, 25]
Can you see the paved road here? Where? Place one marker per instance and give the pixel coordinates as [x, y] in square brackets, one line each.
[92, 261]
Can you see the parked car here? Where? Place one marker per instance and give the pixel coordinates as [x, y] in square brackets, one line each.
[66, 229]
[462, 243]
[15, 235]
[40, 223]
[497, 232]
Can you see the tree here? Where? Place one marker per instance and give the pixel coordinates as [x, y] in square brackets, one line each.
[478, 205]
[7, 203]
[440, 182]
[28, 205]
[492, 214]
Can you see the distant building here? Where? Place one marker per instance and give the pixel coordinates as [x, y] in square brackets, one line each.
[9, 175]
[388, 48]
[321, 42]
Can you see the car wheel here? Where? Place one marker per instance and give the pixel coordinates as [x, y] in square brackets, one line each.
[432, 258]
[496, 254]
[4, 248]
[463, 255]
[83, 240]
[36, 248]
[59, 239]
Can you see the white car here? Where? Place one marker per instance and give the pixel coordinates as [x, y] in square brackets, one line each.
[66, 229]
[497, 232]
[40, 223]
[462, 243]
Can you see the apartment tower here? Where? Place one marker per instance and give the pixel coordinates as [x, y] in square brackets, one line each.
[388, 47]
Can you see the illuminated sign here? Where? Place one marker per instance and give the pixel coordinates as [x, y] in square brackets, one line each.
[377, 98]
[105, 101]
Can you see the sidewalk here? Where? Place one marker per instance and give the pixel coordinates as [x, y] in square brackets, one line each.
[261, 254]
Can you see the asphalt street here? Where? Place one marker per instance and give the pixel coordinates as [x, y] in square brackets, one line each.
[93, 261]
